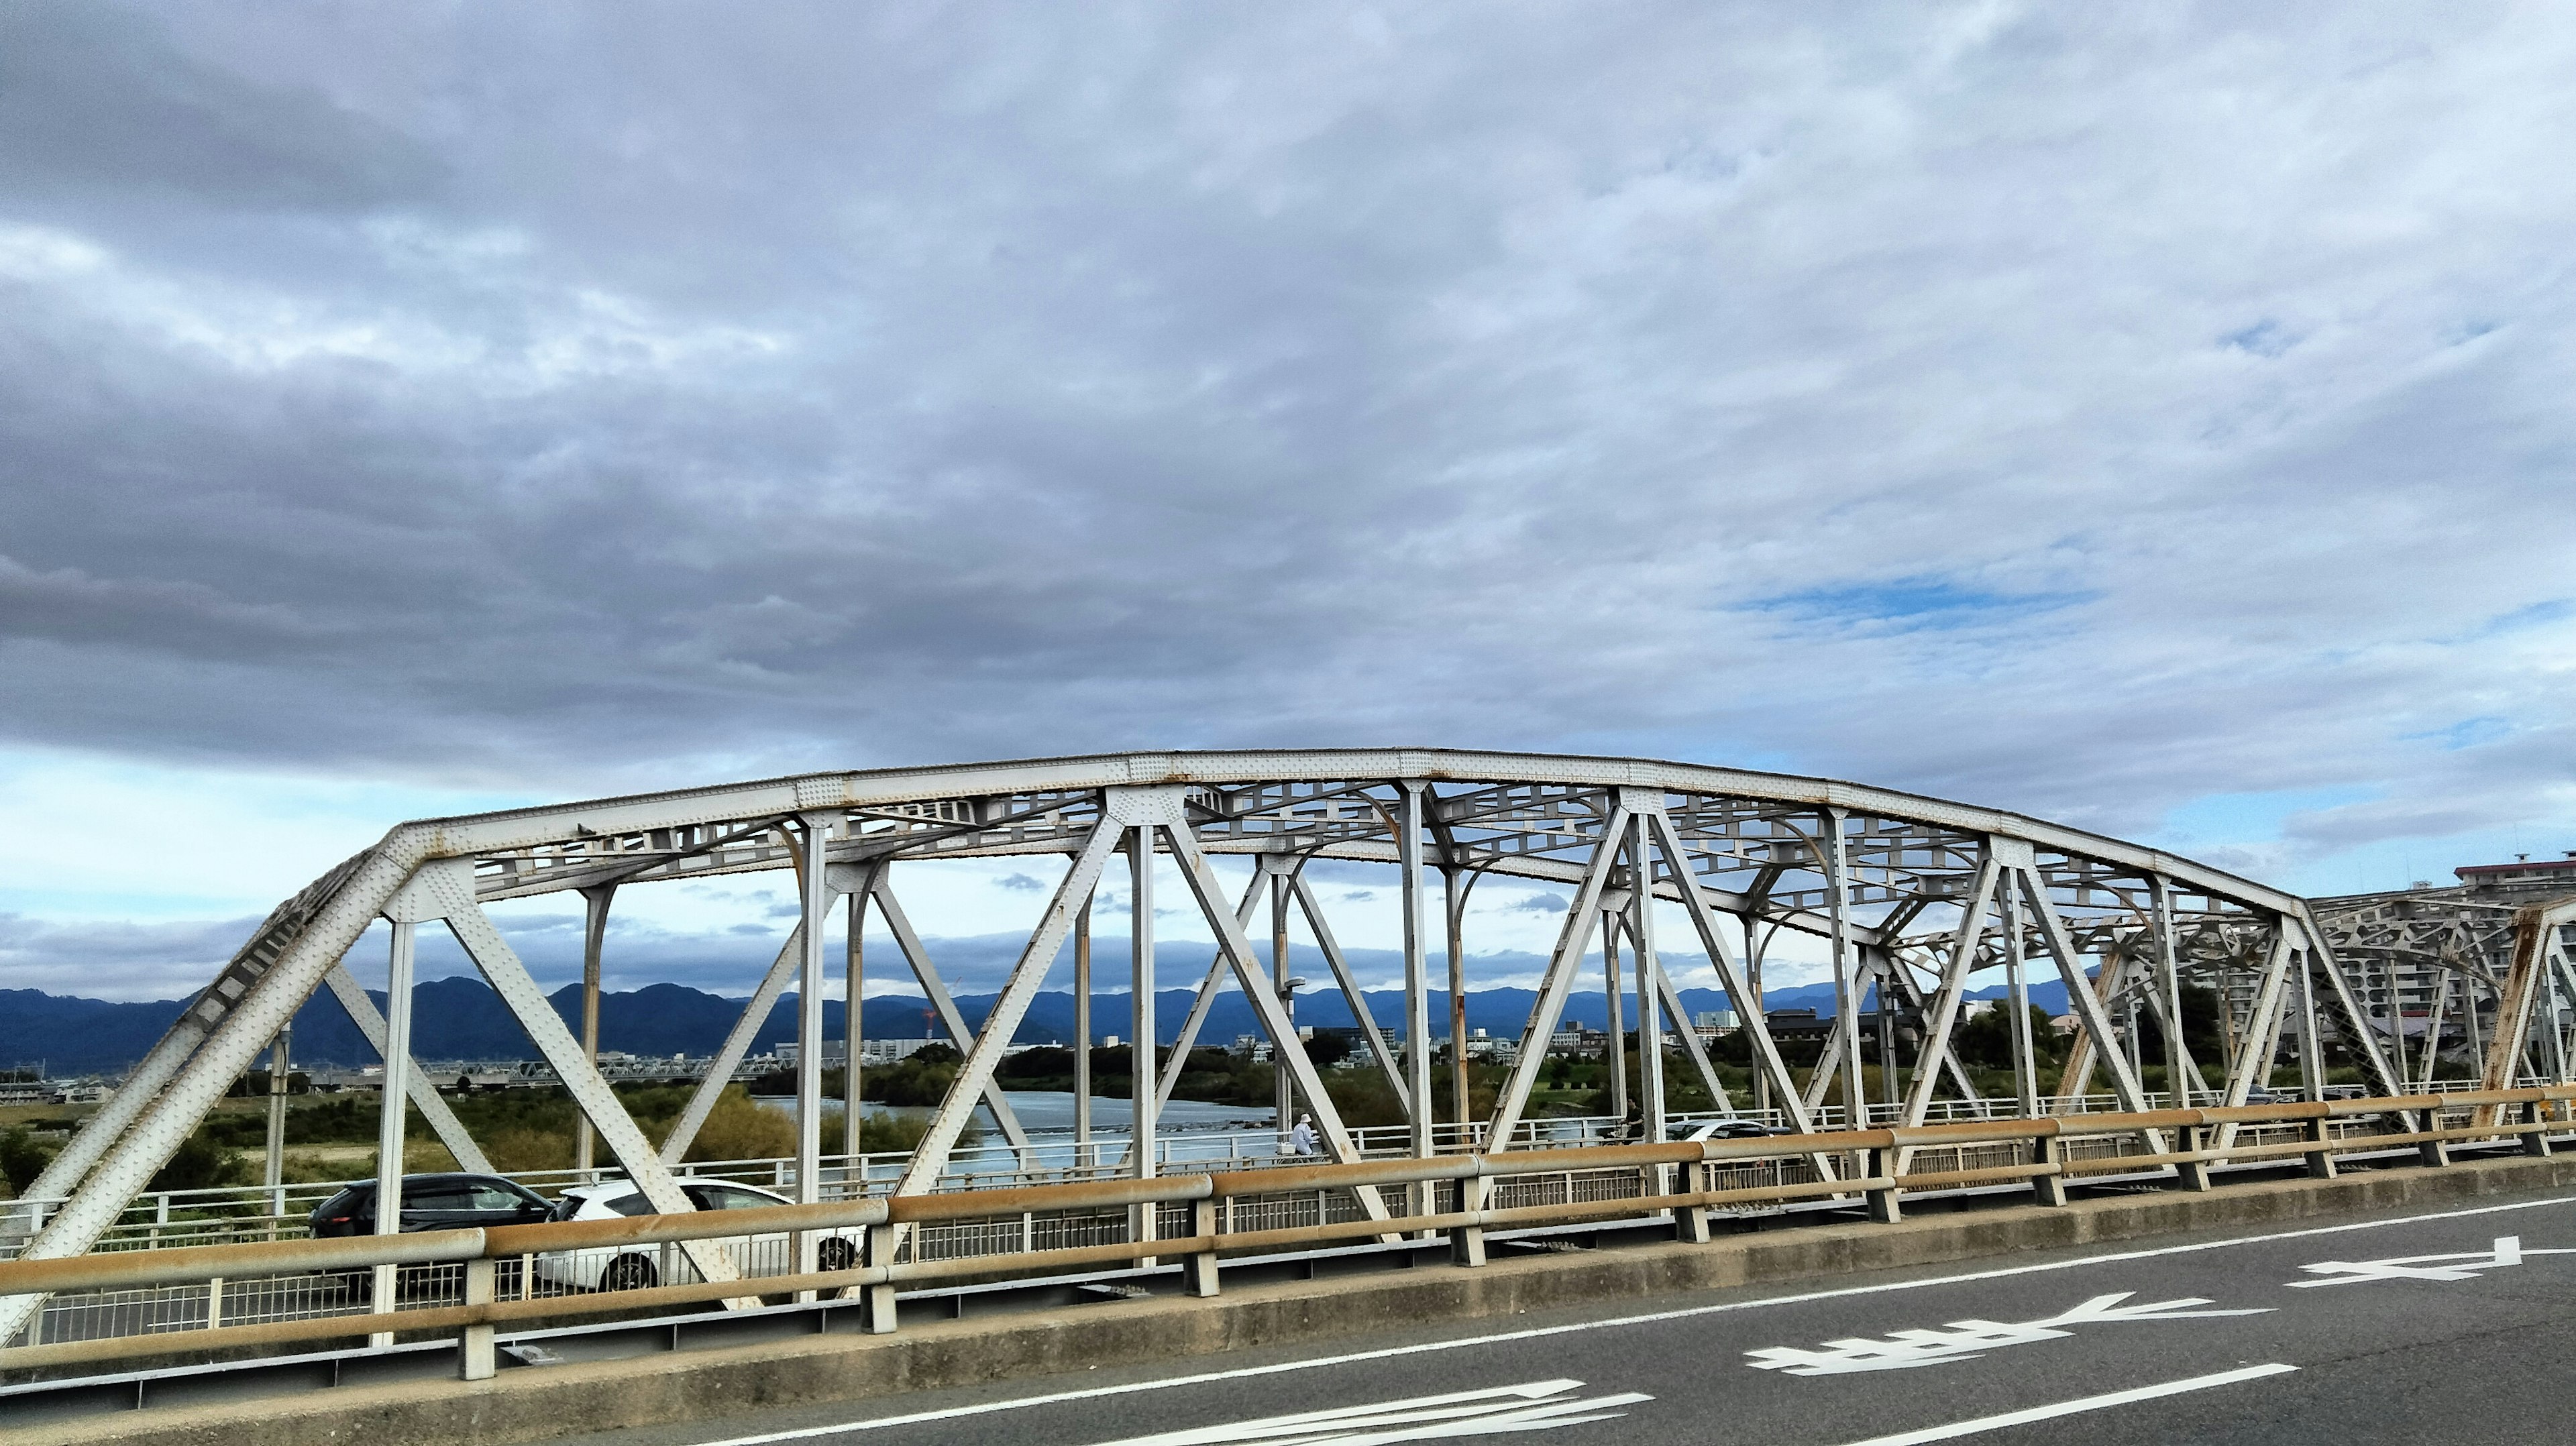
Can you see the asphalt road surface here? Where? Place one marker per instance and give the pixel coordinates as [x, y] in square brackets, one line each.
[2427, 1327]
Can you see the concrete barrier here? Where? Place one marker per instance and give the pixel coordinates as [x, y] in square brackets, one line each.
[537, 1404]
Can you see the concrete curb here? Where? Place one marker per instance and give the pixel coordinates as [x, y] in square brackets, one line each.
[556, 1401]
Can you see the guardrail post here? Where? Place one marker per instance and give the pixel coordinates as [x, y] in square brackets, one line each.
[2192, 1175]
[2535, 1142]
[1690, 1222]
[474, 1355]
[1198, 1269]
[2321, 1160]
[1882, 1203]
[1467, 1242]
[2435, 1153]
[2049, 1189]
[876, 1309]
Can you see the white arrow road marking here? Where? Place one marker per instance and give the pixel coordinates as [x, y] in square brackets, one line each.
[1966, 1340]
[2460, 1265]
[2075, 1407]
[1530, 1406]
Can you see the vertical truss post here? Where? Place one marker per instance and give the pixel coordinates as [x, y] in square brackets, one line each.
[1417, 983]
[1453, 904]
[280, 1062]
[1612, 906]
[1027, 976]
[2168, 980]
[1641, 932]
[814, 895]
[594, 938]
[1141, 1093]
[2396, 1017]
[2433, 1022]
[854, 1035]
[1837, 865]
[1743, 989]
[2312, 1049]
[1082, 1038]
[2025, 1050]
[1755, 938]
[1284, 1101]
[1883, 991]
[393, 1108]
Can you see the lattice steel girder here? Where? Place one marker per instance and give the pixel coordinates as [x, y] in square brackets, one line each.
[1738, 842]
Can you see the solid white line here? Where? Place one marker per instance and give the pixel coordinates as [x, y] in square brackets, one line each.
[1089, 1393]
[2075, 1407]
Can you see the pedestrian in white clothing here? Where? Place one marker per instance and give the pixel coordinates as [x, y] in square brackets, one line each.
[1301, 1140]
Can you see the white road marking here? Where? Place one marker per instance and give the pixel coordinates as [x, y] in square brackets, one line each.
[2075, 1407]
[1530, 1406]
[1166, 1383]
[2461, 1265]
[1967, 1340]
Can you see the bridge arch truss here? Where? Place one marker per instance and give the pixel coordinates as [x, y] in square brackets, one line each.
[1909, 896]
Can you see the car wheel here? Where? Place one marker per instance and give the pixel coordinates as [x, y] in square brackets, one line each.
[628, 1272]
[836, 1254]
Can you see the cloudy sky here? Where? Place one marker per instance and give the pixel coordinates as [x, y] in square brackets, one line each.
[2150, 417]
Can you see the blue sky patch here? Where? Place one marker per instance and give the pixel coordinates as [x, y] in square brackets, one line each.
[1917, 602]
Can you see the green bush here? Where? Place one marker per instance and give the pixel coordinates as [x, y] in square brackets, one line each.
[22, 1158]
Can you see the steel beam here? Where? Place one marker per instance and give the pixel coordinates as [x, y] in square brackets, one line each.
[594, 939]
[1740, 990]
[443, 1122]
[1944, 1013]
[930, 1157]
[1571, 943]
[1417, 978]
[1349, 984]
[746, 1026]
[951, 1018]
[527, 1002]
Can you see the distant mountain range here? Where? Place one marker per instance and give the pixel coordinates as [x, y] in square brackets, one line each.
[461, 1018]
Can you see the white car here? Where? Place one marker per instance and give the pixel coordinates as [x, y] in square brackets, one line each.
[637, 1267]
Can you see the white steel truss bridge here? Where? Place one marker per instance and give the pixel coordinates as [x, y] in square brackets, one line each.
[1910, 896]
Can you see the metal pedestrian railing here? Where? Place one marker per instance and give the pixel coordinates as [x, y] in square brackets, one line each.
[263, 1296]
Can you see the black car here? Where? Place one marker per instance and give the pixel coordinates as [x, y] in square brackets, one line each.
[430, 1202]
[433, 1202]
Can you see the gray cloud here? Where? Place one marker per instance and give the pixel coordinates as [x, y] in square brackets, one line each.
[2081, 411]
